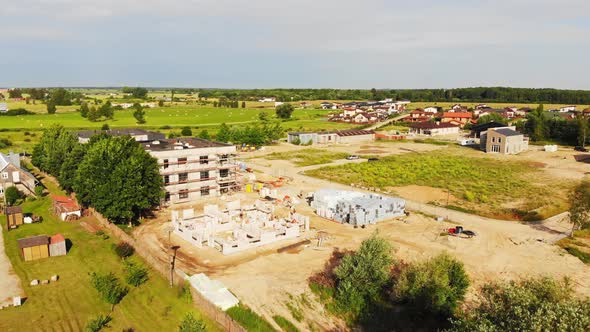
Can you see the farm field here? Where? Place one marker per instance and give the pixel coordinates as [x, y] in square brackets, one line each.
[481, 185]
[67, 305]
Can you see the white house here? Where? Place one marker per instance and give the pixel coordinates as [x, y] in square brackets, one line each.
[566, 109]
[267, 99]
[431, 109]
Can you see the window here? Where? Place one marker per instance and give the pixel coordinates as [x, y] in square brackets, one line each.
[204, 175]
[493, 140]
[499, 139]
[5, 175]
[205, 191]
[182, 161]
[166, 179]
[495, 148]
[204, 159]
[223, 173]
[167, 197]
[183, 194]
[183, 177]
[224, 188]
[166, 163]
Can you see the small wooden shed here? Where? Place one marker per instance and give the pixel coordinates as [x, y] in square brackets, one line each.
[14, 216]
[34, 247]
[57, 245]
[66, 208]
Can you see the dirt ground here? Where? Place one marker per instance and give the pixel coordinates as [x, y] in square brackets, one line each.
[9, 281]
[273, 282]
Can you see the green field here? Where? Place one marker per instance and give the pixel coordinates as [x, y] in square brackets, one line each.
[481, 185]
[307, 157]
[68, 304]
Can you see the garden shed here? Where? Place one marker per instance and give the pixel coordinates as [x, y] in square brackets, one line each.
[34, 247]
[14, 216]
[66, 208]
[57, 245]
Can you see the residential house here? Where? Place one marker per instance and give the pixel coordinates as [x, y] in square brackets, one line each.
[458, 108]
[431, 109]
[504, 140]
[329, 137]
[480, 106]
[523, 111]
[418, 115]
[586, 112]
[434, 128]
[137, 134]
[12, 174]
[460, 118]
[477, 129]
[267, 99]
[3, 107]
[567, 109]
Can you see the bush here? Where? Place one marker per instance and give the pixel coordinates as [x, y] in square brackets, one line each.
[190, 324]
[249, 319]
[5, 142]
[98, 323]
[39, 191]
[124, 249]
[136, 274]
[186, 131]
[437, 286]
[12, 195]
[542, 304]
[284, 111]
[362, 276]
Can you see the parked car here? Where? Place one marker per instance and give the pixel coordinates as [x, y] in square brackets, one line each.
[373, 159]
[352, 157]
[581, 149]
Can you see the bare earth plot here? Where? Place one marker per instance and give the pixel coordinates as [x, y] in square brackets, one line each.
[9, 281]
[274, 283]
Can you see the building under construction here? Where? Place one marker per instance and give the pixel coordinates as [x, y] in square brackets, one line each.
[356, 208]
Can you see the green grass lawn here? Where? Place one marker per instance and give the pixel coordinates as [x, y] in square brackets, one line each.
[307, 157]
[482, 185]
[68, 304]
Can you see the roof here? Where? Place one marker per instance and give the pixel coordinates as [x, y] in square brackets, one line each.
[65, 202]
[486, 126]
[10, 158]
[417, 111]
[57, 238]
[185, 143]
[14, 210]
[507, 132]
[33, 241]
[354, 132]
[432, 125]
[467, 115]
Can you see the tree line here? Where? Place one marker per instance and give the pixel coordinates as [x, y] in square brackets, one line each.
[541, 126]
[115, 175]
[372, 290]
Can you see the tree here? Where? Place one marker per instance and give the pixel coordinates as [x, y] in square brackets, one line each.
[139, 113]
[284, 111]
[542, 304]
[223, 134]
[136, 274]
[243, 104]
[98, 323]
[361, 276]
[69, 166]
[93, 114]
[61, 97]
[535, 125]
[124, 249]
[438, 285]
[118, 178]
[190, 324]
[140, 93]
[204, 134]
[186, 131]
[12, 195]
[109, 287]
[53, 148]
[106, 110]
[51, 109]
[492, 117]
[84, 110]
[580, 206]
[582, 124]
[15, 93]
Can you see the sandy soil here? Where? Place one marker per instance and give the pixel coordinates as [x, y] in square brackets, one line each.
[270, 282]
[9, 282]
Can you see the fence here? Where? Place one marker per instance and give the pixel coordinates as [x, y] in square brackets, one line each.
[215, 313]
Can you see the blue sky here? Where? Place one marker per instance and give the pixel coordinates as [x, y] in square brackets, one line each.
[304, 43]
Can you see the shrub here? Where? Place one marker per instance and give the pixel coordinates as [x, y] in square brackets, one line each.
[249, 319]
[285, 324]
[5, 142]
[109, 287]
[296, 141]
[12, 195]
[437, 285]
[542, 304]
[186, 131]
[136, 274]
[124, 249]
[190, 324]
[98, 323]
[39, 191]
[469, 196]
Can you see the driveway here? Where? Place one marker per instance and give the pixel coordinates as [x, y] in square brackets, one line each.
[9, 281]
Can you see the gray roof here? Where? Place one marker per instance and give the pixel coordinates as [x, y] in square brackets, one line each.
[187, 143]
[507, 132]
[152, 136]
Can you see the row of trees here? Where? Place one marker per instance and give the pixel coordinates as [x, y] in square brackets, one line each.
[225, 102]
[253, 134]
[115, 175]
[477, 94]
[541, 126]
[369, 288]
[137, 92]
[93, 113]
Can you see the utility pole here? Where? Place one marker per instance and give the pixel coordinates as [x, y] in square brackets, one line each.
[172, 262]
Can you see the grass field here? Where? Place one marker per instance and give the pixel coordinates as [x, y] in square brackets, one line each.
[307, 157]
[483, 186]
[68, 304]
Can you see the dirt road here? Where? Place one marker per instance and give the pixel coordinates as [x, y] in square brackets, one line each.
[9, 281]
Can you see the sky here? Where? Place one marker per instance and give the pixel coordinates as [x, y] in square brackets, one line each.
[295, 44]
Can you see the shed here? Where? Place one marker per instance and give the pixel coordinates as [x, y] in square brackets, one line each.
[14, 216]
[57, 245]
[34, 247]
[66, 208]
